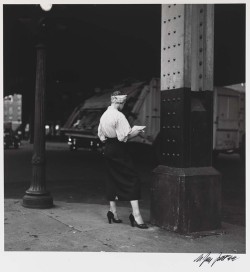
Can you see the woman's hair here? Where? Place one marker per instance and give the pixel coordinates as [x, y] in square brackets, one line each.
[117, 93]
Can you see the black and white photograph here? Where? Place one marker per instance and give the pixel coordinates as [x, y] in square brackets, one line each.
[124, 135]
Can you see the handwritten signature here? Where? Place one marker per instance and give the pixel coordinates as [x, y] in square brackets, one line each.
[206, 258]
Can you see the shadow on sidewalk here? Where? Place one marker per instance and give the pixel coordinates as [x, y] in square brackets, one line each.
[87, 184]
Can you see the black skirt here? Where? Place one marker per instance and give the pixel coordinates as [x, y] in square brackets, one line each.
[123, 182]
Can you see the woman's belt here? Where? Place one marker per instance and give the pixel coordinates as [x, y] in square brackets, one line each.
[112, 140]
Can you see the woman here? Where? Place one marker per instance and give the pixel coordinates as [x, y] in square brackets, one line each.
[123, 183]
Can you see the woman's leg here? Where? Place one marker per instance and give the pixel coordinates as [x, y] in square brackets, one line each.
[113, 209]
[136, 211]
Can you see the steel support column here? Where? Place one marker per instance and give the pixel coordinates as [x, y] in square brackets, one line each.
[186, 189]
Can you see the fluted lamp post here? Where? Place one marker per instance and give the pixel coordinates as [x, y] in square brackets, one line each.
[37, 196]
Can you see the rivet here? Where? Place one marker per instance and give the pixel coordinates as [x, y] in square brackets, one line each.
[177, 155]
[167, 154]
[174, 45]
[174, 112]
[174, 31]
[173, 126]
[168, 100]
[168, 88]
[169, 20]
[178, 126]
[168, 74]
[168, 60]
[179, 99]
[200, 89]
[200, 63]
[173, 99]
[164, 48]
[163, 127]
[168, 33]
[173, 73]
[168, 47]
[173, 59]
[164, 75]
[173, 141]
[201, 24]
[179, 16]
[200, 50]
[168, 140]
[173, 87]
[200, 76]
[174, 18]
[164, 22]
[169, 6]
[179, 44]
[164, 100]
[200, 37]
[168, 126]
[201, 10]
[178, 72]
[163, 154]
[173, 154]
[168, 113]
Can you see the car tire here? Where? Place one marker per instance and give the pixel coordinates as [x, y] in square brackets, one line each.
[16, 146]
[73, 148]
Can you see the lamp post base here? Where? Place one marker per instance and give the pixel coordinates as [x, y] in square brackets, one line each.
[44, 201]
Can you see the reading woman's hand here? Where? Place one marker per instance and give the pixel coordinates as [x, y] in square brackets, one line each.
[134, 133]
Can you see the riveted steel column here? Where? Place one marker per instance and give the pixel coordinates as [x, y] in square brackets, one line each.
[186, 189]
[37, 196]
[175, 63]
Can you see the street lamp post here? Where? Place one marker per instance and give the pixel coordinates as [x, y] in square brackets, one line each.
[37, 196]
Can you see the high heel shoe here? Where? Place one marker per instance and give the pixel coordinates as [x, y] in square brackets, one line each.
[111, 216]
[135, 224]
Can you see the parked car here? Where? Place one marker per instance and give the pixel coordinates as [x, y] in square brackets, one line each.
[11, 138]
[143, 108]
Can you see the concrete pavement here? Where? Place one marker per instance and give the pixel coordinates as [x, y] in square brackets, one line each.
[84, 227]
[78, 220]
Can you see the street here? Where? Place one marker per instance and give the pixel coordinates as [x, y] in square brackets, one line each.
[70, 174]
[83, 171]
[78, 220]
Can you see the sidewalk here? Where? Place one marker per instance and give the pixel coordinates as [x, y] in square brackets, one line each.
[84, 227]
[78, 220]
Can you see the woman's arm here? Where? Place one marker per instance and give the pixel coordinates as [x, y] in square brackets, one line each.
[123, 129]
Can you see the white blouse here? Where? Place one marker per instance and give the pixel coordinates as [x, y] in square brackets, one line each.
[113, 124]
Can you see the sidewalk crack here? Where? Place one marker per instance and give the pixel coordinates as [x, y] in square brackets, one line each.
[70, 226]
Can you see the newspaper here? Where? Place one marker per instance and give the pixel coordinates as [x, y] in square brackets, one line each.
[138, 128]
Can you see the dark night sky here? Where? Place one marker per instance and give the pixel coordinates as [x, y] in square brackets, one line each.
[97, 45]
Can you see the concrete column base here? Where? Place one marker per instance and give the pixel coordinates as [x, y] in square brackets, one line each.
[44, 201]
[186, 200]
